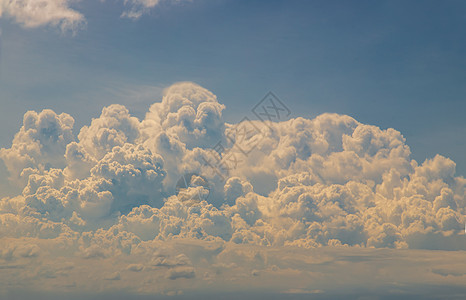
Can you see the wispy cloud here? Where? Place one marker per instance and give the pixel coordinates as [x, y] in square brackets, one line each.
[140, 7]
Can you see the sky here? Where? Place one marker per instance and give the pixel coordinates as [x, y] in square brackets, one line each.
[115, 115]
[388, 63]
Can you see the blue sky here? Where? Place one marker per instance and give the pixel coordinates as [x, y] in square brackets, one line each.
[389, 63]
[334, 204]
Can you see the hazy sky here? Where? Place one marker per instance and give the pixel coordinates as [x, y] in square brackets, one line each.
[139, 157]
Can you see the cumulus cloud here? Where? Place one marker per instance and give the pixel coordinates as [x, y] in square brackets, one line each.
[35, 13]
[39, 145]
[114, 193]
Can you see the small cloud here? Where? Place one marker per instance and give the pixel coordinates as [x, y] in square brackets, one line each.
[181, 272]
[446, 272]
[36, 13]
[140, 7]
[94, 252]
[132, 14]
[162, 260]
[114, 276]
[135, 267]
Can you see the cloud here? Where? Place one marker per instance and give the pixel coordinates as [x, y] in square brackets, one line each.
[58, 13]
[140, 7]
[112, 197]
[222, 268]
[39, 145]
[181, 273]
[114, 127]
[35, 13]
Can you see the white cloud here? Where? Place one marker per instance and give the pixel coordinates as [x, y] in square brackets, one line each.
[110, 195]
[39, 145]
[35, 13]
[140, 7]
[114, 127]
[58, 13]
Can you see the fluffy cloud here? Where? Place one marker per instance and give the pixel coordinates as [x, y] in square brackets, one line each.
[34, 13]
[58, 13]
[114, 193]
[113, 128]
[39, 145]
[188, 112]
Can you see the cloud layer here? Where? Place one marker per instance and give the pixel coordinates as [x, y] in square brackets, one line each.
[113, 191]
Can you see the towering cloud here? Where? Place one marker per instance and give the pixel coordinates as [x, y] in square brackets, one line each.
[39, 145]
[115, 189]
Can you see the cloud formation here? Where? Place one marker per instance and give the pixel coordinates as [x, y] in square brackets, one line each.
[58, 13]
[112, 193]
[35, 13]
